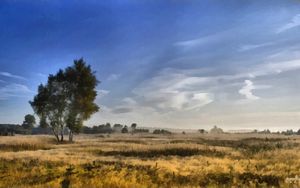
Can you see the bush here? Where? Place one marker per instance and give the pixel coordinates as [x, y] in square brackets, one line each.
[270, 180]
[182, 152]
[161, 131]
[124, 129]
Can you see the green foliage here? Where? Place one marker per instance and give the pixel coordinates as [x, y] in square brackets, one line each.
[136, 130]
[125, 129]
[105, 128]
[67, 99]
[29, 121]
[161, 131]
[182, 152]
[202, 131]
[133, 125]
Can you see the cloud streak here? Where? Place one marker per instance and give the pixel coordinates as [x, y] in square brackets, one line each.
[173, 92]
[295, 22]
[113, 77]
[209, 39]
[121, 110]
[10, 75]
[14, 90]
[248, 47]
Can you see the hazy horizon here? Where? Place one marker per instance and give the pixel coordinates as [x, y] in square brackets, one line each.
[172, 64]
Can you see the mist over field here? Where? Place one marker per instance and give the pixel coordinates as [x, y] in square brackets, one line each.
[137, 93]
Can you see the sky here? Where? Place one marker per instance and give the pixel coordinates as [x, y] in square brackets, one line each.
[165, 63]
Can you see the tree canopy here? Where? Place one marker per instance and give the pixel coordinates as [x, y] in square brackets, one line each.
[67, 99]
[29, 121]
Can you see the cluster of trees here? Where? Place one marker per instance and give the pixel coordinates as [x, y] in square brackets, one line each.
[287, 132]
[291, 132]
[12, 129]
[7, 129]
[161, 131]
[265, 131]
[202, 131]
[29, 122]
[67, 99]
[139, 130]
[214, 130]
[107, 128]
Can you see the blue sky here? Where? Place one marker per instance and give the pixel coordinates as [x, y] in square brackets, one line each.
[180, 64]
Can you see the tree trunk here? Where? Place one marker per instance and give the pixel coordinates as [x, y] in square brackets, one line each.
[71, 136]
[61, 132]
[56, 135]
[57, 138]
[62, 136]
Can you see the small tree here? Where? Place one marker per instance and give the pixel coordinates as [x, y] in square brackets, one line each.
[202, 131]
[67, 99]
[107, 125]
[216, 130]
[117, 128]
[133, 127]
[29, 121]
[125, 129]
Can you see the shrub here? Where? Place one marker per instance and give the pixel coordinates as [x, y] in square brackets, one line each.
[161, 131]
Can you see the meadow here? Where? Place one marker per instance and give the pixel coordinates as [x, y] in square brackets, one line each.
[148, 160]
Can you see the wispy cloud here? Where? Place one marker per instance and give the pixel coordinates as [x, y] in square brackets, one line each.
[273, 68]
[295, 22]
[246, 90]
[174, 92]
[121, 110]
[253, 46]
[14, 90]
[10, 75]
[127, 105]
[113, 77]
[42, 75]
[193, 42]
[102, 92]
[209, 39]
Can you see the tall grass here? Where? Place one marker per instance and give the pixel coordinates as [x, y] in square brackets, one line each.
[149, 161]
[25, 143]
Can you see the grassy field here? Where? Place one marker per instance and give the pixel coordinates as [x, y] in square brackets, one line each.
[147, 160]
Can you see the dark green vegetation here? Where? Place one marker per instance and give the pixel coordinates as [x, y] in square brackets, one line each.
[12, 129]
[29, 121]
[161, 131]
[67, 99]
[182, 152]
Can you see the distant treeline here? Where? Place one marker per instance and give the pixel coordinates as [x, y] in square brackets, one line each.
[116, 128]
[161, 131]
[12, 129]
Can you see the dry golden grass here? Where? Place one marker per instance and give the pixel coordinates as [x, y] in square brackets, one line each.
[146, 160]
